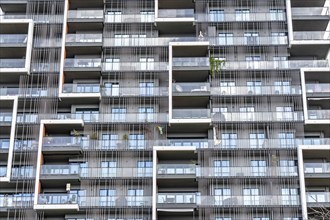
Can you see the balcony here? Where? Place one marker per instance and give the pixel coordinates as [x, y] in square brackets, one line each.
[74, 171]
[13, 40]
[4, 145]
[57, 201]
[12, 63]
[176, 170]
[258, 117]
[176, 13]
[3, 171]
[177, 200]
[45, 67]
[308, 12]
[243, 172]
[16, 201]
[148, 17]
[288, 64]
[63, 144]
[311, 35]
[5, 118]
[83, 40]
[249, 201]
[255, 90]
[24, 145]
[319, 115]
[119, 201]
[135, 66]
[27, 92]
[317, 170]
[246, 17]
[190, 89]
[191, 114]
[85, 16]
[135, 91]
[191, 63]
[318, 199]
[248, 41]
[83, 64]
[318, 89]
[81, 88]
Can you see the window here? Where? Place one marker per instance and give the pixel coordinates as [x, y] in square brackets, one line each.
[286, 139]
[282, 87]
[118, 114]
[258, 167]
[246, 113]
[284, 113]
[121, 40]
[114, 16]
[277, 14]
[112, 64]
[220, 110]
[280, 62]
[109, 141]
[136, 141]
[146, 88]
[139, 39]
[146, 114]
[290, 196]
[107, 197]
[288, 167]
[253, 61]
[251, 196]
[221, 168]
[147, 16]
[257, 140]
[278, 37]
[226, 38]
[222, 196]
[227, 87]
[111, 88]
[216, 15]
[254, 87]
[144, 168]
[229, 140]
[147, 63]
[108, 168]
[135, 197]
[88, 115]
[251, 38]
[242, 14]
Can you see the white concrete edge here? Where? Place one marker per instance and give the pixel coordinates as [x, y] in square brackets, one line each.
[189, 43]
[187, 121]
[174, 148]
[29, 43]
[17, 20]
[302, 184]
[308, 121]
[79, 95]
[156, 9]
[64, 29]
[188, 19]
[56, 207]
[170, 80]
[308, 42]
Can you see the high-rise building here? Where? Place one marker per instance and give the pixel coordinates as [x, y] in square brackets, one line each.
[164, 109]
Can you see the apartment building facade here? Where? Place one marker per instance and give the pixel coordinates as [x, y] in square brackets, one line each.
[164, 109]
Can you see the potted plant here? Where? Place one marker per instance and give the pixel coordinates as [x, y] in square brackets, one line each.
[216, 65]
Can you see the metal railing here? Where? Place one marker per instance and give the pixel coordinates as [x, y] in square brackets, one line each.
[190, 87]
[255, 90]
[317, 168]
[319, 114]
[191, 113]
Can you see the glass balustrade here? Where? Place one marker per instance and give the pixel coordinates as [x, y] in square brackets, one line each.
[318, 88]
[83, 38]
[81, 88]
[317, 197]
[311, 35]
[255, 90]
[190, 113]
[82, 63]
[190, 88]
[319, 114]
[85, 14]
[176, 169]
[175, 13]
[317, 168]
[13, 39]
[230, 17]
[191, 62]
[12, 63]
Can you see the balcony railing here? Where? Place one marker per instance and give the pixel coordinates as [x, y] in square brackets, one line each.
[178, 198]
[318, 198]
[311, 35]
[190, 113]
[135, 91]
[4, 144]
[176, 169]
[27, 92]
[255, 90]
[85, 14]
[191, 62]
[246, 41]
[319, 114]
[318, 88]
[16, 200]
[95, 172]
[12, 63]
[191, 88]
[310, 11]
[23, 145]
[130, 18]
[57, 198]
[317, 168]
[257, 116]
[82, 63]
[84, 38]
[5, 117]
[81, 88]
[45, 67]
[252, 201]
[176, 13]
[13, 39]
[246, 171]
[135, 66]
[229, 17]
[116, 201]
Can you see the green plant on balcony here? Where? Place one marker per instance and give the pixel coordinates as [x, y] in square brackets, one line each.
[94, 136]
[125, 137]
[75, 133]
[216, 65]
